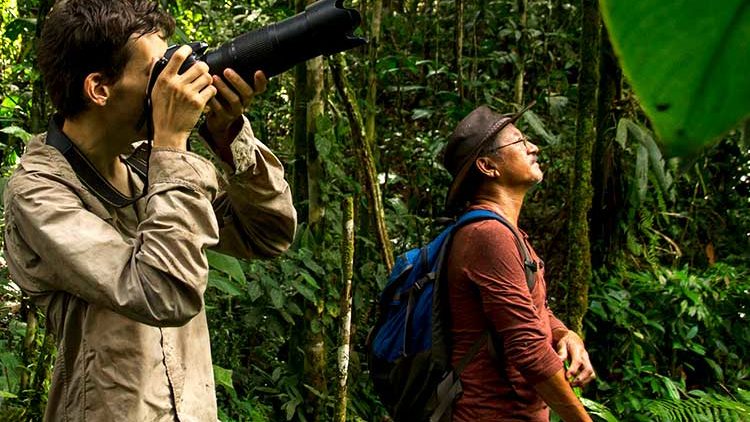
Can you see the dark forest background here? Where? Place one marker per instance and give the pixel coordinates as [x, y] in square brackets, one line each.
[646, 255]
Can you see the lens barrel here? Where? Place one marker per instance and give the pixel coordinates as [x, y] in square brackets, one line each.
[325, 27]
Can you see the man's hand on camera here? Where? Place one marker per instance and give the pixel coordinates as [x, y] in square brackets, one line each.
[224, 117]
[178, 100]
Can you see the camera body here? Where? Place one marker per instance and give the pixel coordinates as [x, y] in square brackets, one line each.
[323, 28]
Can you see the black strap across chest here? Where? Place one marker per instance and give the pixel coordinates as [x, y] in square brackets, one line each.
[89, 176]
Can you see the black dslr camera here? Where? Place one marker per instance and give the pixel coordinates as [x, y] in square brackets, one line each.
[324, 27]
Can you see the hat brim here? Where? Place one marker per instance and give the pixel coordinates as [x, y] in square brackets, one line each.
[458, 181]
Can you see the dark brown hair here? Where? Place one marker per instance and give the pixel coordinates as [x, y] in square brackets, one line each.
[81, 37]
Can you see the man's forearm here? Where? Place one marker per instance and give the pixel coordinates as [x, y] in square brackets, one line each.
[557, 393]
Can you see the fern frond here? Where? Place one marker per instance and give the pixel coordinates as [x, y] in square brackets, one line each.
[705, 409]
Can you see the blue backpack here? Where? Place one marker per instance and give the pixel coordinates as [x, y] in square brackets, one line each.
[409, 352]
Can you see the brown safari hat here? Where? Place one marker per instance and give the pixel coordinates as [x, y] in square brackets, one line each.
[475, 132]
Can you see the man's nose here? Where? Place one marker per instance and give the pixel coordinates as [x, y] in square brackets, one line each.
[532, 147]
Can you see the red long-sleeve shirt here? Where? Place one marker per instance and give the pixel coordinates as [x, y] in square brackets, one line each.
[488, 290]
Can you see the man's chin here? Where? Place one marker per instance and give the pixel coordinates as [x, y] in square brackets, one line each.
[538, 177]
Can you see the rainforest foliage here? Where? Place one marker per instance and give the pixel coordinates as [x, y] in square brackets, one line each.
[645, 252]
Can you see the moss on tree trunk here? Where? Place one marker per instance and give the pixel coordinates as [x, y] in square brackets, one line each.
[579, 250]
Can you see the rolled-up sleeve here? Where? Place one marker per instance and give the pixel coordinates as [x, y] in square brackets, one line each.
[255, 210]
[157, 278]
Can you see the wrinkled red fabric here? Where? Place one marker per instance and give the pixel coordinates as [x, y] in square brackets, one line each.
[488, 290]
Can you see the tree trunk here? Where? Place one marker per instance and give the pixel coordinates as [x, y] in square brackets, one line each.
[436, 29]
[363, 151]
[579, 251]
[609, 196]
[29, 352]
[458, 48]
[315, 352]
[523, 5]
[546, 56]
[477, 34]
[42, 374]
[347, 266]
[316, 207]
[299, 134]
[308, 174]
[372, 72]
[38, 91]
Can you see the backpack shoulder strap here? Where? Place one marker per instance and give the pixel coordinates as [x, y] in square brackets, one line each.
[529, 265]
[447, 390]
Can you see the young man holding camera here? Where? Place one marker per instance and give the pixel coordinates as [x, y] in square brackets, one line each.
[122, 285]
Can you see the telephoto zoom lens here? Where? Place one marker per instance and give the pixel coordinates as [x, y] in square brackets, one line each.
[325, 27]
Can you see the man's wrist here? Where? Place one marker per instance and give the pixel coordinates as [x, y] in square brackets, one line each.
[220, 141]
[170, 140]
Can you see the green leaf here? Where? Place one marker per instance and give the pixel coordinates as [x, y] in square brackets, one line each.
[654, 154]
[224, 283]
[537, 125]
[718, 371]
[277, 298]
[294, 309]
[693, 331]
[287, 317]
[268, 282]
[254, 290]
[223, 377]
[672, 390]
[641, 172]
[686, 61]
[276, 374]
[305, 291]
[309, 279]
[421, 113]
[622, 132]
[697, 348]
[17, 132]
[598, 409]
[226, 264]
[313, 266]
[596, 307]
[291, 407]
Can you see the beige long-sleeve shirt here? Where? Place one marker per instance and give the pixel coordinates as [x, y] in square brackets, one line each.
[123, 288]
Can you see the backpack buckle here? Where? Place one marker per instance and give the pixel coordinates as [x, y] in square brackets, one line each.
[532, 265]
[419, 284]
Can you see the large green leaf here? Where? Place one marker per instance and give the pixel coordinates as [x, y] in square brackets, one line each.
[224, 283]
[687, 61]
[226, 264]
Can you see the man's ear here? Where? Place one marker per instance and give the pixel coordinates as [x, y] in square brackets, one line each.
[487, 167]
[96, 89]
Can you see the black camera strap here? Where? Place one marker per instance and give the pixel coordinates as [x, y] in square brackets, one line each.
[89, 176]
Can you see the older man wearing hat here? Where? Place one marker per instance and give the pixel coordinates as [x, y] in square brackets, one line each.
[521, 374]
